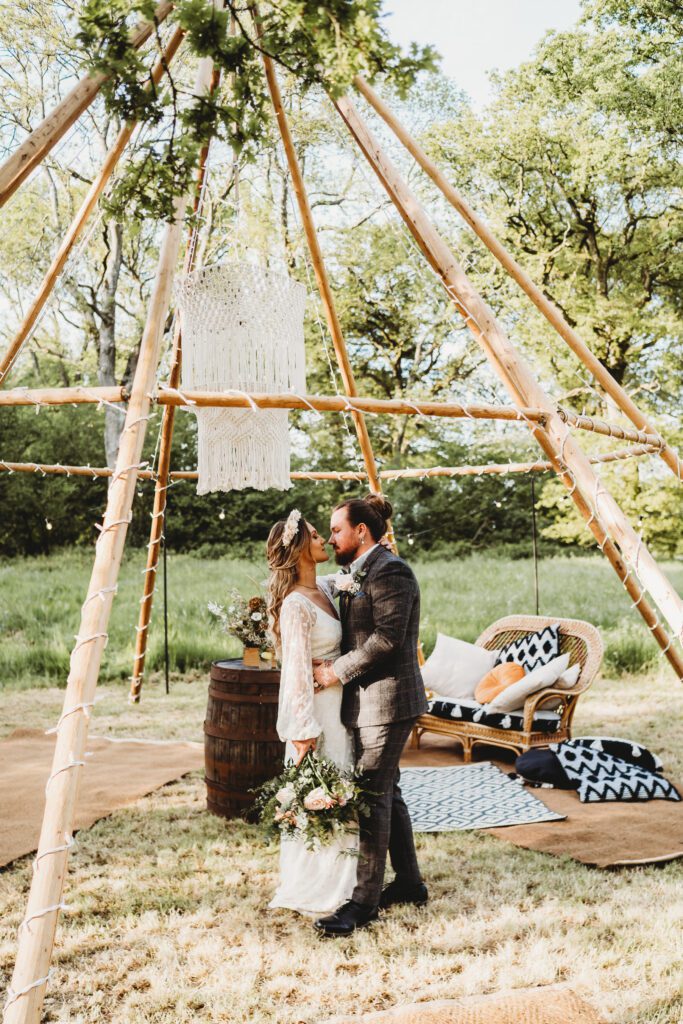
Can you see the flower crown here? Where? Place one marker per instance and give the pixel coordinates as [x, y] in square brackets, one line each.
[291, 527]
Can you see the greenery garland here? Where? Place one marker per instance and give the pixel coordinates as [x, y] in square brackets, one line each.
[323, 44]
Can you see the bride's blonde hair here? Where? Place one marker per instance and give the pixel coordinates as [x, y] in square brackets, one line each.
[283, 560]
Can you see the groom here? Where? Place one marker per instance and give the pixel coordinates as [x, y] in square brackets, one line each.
[383, 695]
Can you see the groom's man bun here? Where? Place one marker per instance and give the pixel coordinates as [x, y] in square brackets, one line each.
[382, 507]
[373, 510]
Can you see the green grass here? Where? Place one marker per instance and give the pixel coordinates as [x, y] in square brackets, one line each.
[167, 919]
[40, 601]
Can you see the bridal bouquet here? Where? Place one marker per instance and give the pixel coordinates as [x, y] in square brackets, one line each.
[315, 801]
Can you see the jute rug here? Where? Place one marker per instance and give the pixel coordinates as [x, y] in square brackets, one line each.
[604, 835]
[446, 799]
[551, 1005]
[119, 772]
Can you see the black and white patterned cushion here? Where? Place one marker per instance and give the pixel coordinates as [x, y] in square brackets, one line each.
[533, 649]
[625, 750]
[601, 777]
[471, 711]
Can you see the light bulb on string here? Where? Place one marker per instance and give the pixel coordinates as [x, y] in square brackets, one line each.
[48, 524]
[221, 514]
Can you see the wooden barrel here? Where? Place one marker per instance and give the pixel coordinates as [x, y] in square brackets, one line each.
[241, 746]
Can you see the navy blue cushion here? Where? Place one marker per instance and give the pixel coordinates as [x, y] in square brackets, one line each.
[541, 767]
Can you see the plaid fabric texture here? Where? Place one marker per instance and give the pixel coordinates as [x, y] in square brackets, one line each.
[378, 751]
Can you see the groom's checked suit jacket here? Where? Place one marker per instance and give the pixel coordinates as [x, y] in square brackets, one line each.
[378, 665]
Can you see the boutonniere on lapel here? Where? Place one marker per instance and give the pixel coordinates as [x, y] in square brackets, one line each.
[350, 582]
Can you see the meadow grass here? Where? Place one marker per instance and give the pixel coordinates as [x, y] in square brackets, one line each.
[40, 600]
[168, 921]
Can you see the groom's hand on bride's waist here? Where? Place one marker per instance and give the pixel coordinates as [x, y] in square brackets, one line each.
[324, 674]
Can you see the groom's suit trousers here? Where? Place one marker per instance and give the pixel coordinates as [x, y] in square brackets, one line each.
[378, 751]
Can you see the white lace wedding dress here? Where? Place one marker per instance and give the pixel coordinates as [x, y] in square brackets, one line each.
[312, 881]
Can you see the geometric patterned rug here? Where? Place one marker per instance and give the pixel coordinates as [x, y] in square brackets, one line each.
[468, 796]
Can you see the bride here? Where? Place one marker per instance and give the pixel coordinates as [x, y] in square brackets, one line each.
[304, 624]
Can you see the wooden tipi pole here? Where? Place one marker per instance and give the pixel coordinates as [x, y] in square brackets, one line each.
[156, 533]
[321, 277]
[510, 264]
[42, 139]
[76, 227]
[584, 486]
[36, 935]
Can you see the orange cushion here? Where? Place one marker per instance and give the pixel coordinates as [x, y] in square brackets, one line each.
[497, 680]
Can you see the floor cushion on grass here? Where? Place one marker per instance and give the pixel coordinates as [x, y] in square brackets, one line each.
[626, 750]
[472, 711]
[600, 776]
[541, 767]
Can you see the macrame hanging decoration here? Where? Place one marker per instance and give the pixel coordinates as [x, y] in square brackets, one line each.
[242, 331]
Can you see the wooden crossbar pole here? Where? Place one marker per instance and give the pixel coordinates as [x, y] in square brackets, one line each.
[500, 468]
[42, 139]
[36, 938]
[92, 395]
[78, 223]
[510, 264]
[611, 429]
[322, 279]
[584, 486]
[156, 533]
[337, 403]
[63, 396]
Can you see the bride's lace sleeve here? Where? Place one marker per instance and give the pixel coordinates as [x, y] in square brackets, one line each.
[326, 584]
[296, 719]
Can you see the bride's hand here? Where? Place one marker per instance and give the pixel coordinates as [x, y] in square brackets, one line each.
[302, 747]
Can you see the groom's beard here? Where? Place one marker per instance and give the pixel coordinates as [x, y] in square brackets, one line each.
[345, 557]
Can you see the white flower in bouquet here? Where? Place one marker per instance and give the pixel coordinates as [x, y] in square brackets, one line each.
[344, 792]
[326, 801]
[256, 616]
[286, 796]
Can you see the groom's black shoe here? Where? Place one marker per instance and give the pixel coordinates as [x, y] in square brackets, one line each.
[398, 892]
[350, 916]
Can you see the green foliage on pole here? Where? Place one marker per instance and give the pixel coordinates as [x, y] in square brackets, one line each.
[323, 44]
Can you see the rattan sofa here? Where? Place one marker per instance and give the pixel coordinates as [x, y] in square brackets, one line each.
[579, 639]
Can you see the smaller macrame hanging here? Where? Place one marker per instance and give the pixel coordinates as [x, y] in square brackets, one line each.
[242, 331]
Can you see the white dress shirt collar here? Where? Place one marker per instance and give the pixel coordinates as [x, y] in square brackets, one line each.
[358, 562]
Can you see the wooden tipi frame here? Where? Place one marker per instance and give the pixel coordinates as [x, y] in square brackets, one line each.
[549, 424]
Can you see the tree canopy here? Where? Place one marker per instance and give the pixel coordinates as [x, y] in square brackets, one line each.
[575, 163]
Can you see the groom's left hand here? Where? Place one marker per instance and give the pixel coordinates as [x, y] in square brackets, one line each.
[324, 674]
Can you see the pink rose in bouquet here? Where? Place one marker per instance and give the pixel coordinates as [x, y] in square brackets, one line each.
[318, 800]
